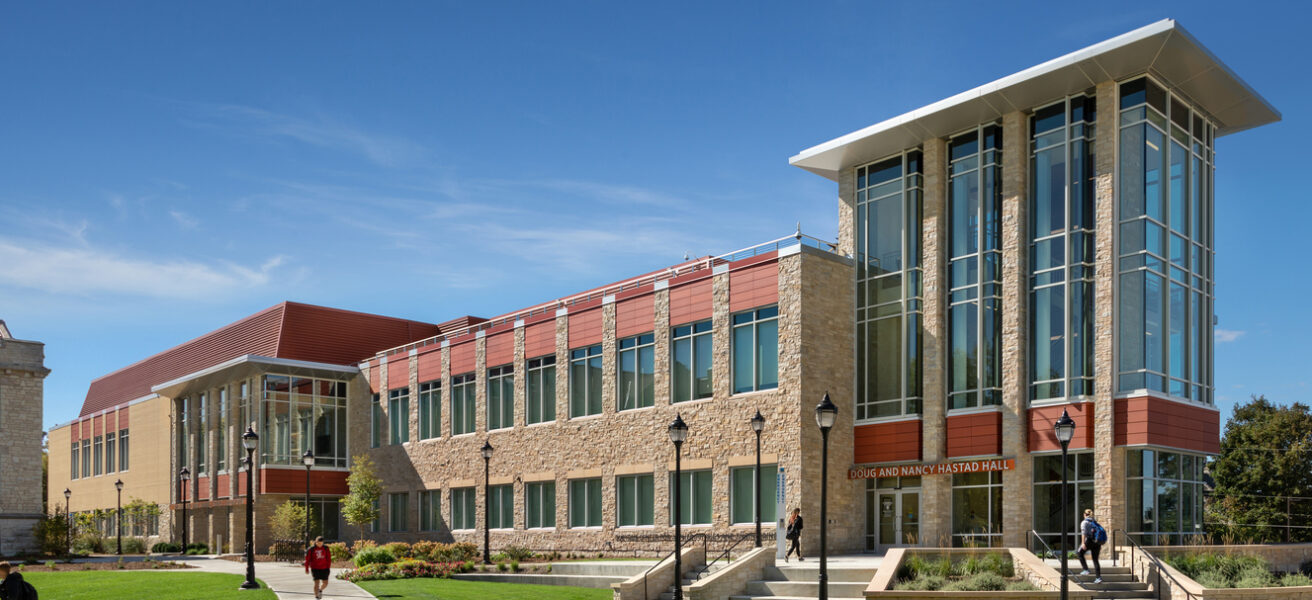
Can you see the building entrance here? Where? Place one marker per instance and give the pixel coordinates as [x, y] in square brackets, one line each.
[892, 513]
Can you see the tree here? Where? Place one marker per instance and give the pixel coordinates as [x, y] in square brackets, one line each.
[45, 472]
[360, 505]
[1265, 466]
[288, 521]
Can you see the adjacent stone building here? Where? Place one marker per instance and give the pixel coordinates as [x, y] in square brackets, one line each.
[22, 371]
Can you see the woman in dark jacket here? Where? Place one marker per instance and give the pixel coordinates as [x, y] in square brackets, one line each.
[794, 534]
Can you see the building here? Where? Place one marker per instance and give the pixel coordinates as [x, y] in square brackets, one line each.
[22, 371]
[1039, 244]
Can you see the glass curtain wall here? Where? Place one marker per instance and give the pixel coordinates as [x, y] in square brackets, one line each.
[1047, 496]
[977, 509]
[319, 409]
[1164, 495]
[889, 197]
[1165, 264]
[1061, 249]
[975, 268]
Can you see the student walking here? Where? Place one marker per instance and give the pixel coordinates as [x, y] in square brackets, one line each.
[794, 534]
[1093, 536]
[12, 586]
[318, 561]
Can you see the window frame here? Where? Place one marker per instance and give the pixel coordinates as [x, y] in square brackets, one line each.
[501, 503]
[692, 335]
[540, 488]
[706, 476]
[767, 501]
[642, 348]
[633, 483]
[502, 380]
[398, 415]
[430, 510]
[464, 403]
[589, 498]
[464, 505]
[537, 372]
[430, 410]
[583, 359]
[752, 320]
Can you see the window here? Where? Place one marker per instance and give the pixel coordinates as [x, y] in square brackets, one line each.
[694, 497]
[184, 433]
[635, 500]
[585, 502]
[541, 389]
[889, 197]
[398, 412]
[86, 458]
[462, 509]
[330, 441]
[276, 441]
[585, 381]
[244, 401]
[376, 524]
[202, 429]
[975, 269]
[501, 507]
[325, 512]
[398, 511]
[73, 456]
[430, 510]
[462, 404]
[123, 450]
[98, 462]
[756, 350]
[109, 453]
[977, 509]
[540, 505]
[501, 397]
[1164, 495]
[1047, 495]
[742, 500]
[375, 422]
[302, 413]
[430, 410]
[690, 361]
[637, 372]
[221, 449]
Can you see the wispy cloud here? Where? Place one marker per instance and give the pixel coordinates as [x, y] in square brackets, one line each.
[316, 130]
[185, 220]
[1228, 335]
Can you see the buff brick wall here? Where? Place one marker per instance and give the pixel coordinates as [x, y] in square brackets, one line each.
[22, 372]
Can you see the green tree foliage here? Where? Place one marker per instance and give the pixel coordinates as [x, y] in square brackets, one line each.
[360, 505]
[288, 521]
[1266, 458]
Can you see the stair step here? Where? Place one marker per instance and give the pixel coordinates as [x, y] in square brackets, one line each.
[1107, 577]
[832, 597]
[1116, 585]
[811, 572]
[805, 589]
[1121, 595]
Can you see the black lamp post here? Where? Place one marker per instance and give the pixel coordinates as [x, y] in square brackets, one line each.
[183, 477]
[68, 521]
[678, 435]
[758, 423]
[249, 441]
[118, 515]
[1065, 429]
[825, 415]
[487, 501]
[308, 460]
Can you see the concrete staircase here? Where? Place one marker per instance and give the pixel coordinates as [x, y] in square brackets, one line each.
[798, 581]
[692, 576]
[589, 574]
[1117, 583]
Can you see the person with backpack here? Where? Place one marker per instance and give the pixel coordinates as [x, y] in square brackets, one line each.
[12, 586]
[1093, 537]
[794, 534]
[318, 560]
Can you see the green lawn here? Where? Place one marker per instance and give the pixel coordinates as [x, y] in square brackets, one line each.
[453, 589]
[133, 585]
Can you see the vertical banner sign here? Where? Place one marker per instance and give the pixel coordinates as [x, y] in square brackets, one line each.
[780, 514]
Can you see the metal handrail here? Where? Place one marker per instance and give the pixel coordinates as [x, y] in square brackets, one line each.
[1034, 535]
[723, 554]
[1161, 568]
[678, 577]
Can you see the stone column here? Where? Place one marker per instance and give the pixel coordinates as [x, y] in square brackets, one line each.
[661, 331]
[721, 386]
[413, 420]
[847, 213]
[1109, 461]
[609, 362]
[446, 425]
[521, 384]
[480, 388]
[385, 427]
[1017, 515]
[936, 490]
[562, 368]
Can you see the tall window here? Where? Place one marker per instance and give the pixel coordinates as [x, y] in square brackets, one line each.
[462, 509]
[98, 462]
[430, 510]
[377, 524]
[1164, 495]
[123, 447]
[462, 404]
[635, 500]
[977, 509]
[184, 433]
[690, 364]
[398, 511]
[275, 442]
[501, 507]
[541, 390]
[1047, 495]
[398, 412]
[73, 459]
[742, 494]
[221, 443]
[330, 441]
[1165, 301]
[244, 401]
[694, 497]
[975, 269]
[585, 381]
[376, 422]
[1061, 250]
[637, 372]
[110, 444]
[202, 431]
[430, 410]
[501, 397]
[585, 502]
[86, 458]
[756, 350]
[889, 197]
[302, 414]
[540, 505]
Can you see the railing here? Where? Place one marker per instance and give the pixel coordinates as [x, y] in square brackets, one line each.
[1034, 536]
[678, 577]
[724, 554]
[1161, 568]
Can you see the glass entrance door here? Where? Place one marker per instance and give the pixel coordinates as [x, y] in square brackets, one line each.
[898, 518]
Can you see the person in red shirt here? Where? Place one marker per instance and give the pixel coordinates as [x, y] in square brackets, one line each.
[318, 560]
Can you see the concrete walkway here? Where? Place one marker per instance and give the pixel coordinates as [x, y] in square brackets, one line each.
[287, 580]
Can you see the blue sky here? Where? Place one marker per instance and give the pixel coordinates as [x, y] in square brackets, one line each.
[171, 167]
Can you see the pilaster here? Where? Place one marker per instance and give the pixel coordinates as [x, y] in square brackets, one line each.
[936, 491]
[1018, 516]
[1109, 461]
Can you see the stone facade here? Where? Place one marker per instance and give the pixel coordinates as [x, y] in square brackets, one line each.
[22, 371]
[936, 493]
[1109, 460]
[1018, 518]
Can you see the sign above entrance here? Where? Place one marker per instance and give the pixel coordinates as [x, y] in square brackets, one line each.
[947, 468]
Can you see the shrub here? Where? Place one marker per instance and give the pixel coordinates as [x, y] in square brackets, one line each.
[374, 555]
[162, 547]
[361, 545]
[999, 563]
[457, 552]
[514, 566]
[502, 567]
[1021, 586]
[288, 521]
[197, 548]
[979, 582]
[424, 549]
[970, 566]
[921, 584]
[402, 569]
[1295, 580]
[339, 551]
[517, 553]
[51, 533]
[1254, 577]
[399, 549]
[50, 564]
[1211, 579]
[88, 543]
[134, 546]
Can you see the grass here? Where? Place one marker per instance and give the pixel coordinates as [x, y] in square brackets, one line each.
[455, 589]
[131, 585]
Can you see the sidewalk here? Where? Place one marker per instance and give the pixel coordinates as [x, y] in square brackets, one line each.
[287, 580]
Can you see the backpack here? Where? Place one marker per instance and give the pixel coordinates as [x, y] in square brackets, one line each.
[1099, 534]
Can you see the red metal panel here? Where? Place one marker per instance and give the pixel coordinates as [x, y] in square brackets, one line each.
[398, 372]
[499, 349]
[463, 358]
[754, 286]
[203, 487]
[635, 316]
[241, 484]
[540, 339]
[86, 429]
[1161, 422]
[374, 374]
[430, 365]
[98, 425]
[976, 434]
[585, 328]
[224, 482]
[1041, 438]
[292, 481]
[123, 418]
[75, 432]
[886, 442]
[691, 302]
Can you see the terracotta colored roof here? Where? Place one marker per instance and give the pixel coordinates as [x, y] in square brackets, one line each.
[287, 330]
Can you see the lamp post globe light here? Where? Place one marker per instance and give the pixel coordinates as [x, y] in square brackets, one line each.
[249, 441]
[825, 414]
[487, 501]
[678, 434]
[308, 460]
[758, 424]
[68, 521]
[118, 515]
[183, 477]
[1064, 428]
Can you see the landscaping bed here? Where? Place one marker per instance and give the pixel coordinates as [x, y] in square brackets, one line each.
[1219, 570]
[118, 565]
[976, 572]
[399, 560]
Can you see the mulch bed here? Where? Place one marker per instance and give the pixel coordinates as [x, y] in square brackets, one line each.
[259, 558]
[106, 566]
